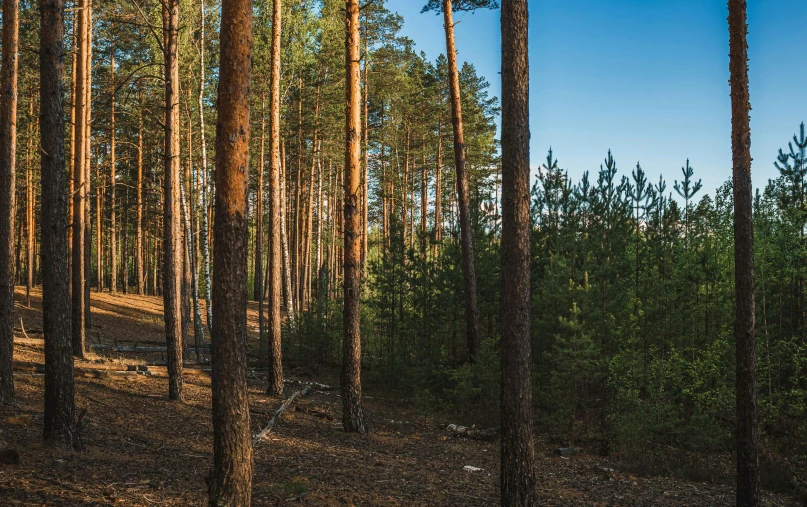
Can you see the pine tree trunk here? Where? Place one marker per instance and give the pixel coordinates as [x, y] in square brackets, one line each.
[258, 286]
[59, 423]
[113, 238]
[284, 240]
[517, 477]
[276, 219]
[80, 186]
[141, 273]
[744, 326]
[87, 147]
[352, 413]
[8, 154]
[231, 478]
[365, 192]
[172, 234]
[463, 190]
[99, 232]
[30, 204]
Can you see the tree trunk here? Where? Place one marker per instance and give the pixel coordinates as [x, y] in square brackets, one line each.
[276, 220]
[79, 184]
[172, 233]
[8, 154]
[113, 235]
[517, 479]
[59, 423]
[205, 229]
[87, 146]
[463, 191]
[30, 203]
[258, 285]
[99, 231]
[365, 187]
[231, 478]
[141, 273]
[284, 240]
[744, 325]
[352, 414]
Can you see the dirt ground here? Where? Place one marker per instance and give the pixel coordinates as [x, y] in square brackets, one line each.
[144, 450]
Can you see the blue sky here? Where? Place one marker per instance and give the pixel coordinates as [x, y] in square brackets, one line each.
[645, 78]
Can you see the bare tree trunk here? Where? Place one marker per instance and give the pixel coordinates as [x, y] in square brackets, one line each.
[172, 234]
[231, 478]
[87, 181]
[113, 238]
[205, 229]
[258, 285]
[276, 212]
[517, 479]
[30, 203]
[744, 326]
[8, 156]
[463, 190]
[80, 185]
[59, 422]
[352, 413]
[366, 166]
[99, 231]
[424, 208]
[141, 274]
[284, 241]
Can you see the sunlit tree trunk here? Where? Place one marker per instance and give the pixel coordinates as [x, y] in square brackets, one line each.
[231, 479]
[172, 234]
[463, 189]
[277, 220]
[205, 204]
[30, 202]
[517, 477]
[352, 413]
[744, 325]
[79, 183]
[113, 235]
[258, 279]
[284, 241]
[8, 154]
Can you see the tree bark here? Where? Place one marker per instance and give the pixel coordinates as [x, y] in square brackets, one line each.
[744, 325]
[284, 240]
[231, 479]
[276, 220]
[352, 413]
[87, 182]
[258, 279]
[205, 230]
[8, 155]
[30, 202]
[172, 233]
[113, 235]
[463, 190]
[141, 274]
[517, 479]
[59, 424]
[79, 185]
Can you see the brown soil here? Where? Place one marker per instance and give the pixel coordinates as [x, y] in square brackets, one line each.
[144, 450]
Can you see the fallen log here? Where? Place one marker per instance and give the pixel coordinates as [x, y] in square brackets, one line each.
[472, 433]
[276, 415]
[103, 370]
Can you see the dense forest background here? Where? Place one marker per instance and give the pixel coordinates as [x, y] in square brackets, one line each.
[633, 293]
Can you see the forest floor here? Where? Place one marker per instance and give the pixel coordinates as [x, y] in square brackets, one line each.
[142, 449]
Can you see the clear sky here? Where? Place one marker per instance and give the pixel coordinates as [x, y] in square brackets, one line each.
[645, 78]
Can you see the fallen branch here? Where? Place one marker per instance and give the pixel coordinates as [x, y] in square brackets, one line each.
[276, 415]
[472, 433]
